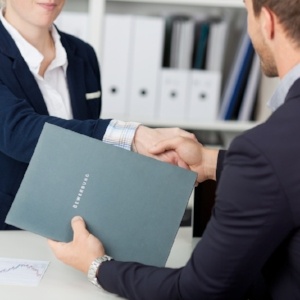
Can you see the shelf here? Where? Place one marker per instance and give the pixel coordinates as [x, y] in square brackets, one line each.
[221, 126]
[219, 3]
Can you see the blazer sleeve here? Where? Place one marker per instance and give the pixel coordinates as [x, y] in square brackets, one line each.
[21, 126]
[236, 243]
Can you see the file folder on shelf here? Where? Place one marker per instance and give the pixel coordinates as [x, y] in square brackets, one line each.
[251, 91]
[132, 202]
[147, 50]
[173, 94]
[116, 65]
[204, 96]
[237, 79]
[217, 42]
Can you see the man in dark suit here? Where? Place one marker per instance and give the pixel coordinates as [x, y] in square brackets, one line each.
[251, 246]
[50, 76]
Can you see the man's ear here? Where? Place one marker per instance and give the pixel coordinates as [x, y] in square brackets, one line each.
[267, 23]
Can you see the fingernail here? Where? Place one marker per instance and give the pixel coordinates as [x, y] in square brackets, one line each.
[76, 218]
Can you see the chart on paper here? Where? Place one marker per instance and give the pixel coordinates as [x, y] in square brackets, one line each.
[21, 272]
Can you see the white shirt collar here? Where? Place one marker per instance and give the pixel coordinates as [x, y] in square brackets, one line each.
[31, 55]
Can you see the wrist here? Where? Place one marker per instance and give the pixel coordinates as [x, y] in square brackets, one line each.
[94, 269]
[210, 158]
[134, 146]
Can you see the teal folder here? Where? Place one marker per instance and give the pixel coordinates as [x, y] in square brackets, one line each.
[133, 203]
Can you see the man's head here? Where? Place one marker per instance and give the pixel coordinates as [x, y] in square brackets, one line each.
[287, 12]
[273, 25]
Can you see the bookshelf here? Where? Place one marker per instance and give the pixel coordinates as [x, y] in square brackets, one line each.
[217, 3]
[96, 11]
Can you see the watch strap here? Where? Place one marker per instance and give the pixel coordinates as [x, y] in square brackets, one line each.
[92, 273]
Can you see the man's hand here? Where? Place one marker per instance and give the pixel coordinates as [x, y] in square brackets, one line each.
[146, 137]
[198, 158]
[81, 252]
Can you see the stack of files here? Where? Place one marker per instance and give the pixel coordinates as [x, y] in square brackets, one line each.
[152, 67]
[195, 43]
[75, 23]
[237, 81]
[132, 202]
[132, 58]
[189, 95]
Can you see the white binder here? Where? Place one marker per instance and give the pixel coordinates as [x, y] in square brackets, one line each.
[204, 96]
[173, 94]
[147, 52]
[115, 65]
[217, 43]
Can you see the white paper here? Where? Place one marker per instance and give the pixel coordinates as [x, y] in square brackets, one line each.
[21, 272]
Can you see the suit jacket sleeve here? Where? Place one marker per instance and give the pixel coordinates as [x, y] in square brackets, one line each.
[220, 162]
[236, 244]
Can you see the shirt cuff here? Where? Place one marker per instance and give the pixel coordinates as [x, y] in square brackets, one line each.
[120, 133]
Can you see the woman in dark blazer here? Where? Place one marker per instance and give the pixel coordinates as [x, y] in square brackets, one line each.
[50, 76]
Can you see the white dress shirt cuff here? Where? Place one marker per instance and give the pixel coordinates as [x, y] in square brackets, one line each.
[120, 133]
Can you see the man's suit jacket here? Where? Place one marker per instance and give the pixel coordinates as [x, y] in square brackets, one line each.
[23, 111]
[253, 230]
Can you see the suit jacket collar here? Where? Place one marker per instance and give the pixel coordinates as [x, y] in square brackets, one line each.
[75, 77]
[284, 87]
[22, 73]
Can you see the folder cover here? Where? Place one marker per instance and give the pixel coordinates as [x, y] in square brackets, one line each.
[133, 203]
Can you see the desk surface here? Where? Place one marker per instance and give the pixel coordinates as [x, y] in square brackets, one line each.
[61, 282]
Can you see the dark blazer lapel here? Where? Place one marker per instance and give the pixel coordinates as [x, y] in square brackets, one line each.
[21, 73]
[29, 86]
[75, 76]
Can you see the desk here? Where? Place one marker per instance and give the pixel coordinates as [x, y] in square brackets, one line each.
[61, 282]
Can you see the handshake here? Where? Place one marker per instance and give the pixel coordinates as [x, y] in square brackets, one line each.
[172, 145]
[178, 147]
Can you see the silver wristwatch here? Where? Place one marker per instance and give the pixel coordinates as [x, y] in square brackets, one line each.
[92, 273]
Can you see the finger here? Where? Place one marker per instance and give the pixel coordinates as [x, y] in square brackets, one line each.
[56, 247]
[188, 135]
[165, 145]
[52, 244]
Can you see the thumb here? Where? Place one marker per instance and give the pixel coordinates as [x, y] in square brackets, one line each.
[79, 227]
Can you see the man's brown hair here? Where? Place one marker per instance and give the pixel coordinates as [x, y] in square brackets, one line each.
[288, 13]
